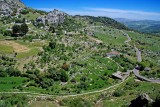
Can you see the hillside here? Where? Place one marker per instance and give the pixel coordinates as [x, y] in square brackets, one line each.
[56, 59]
[105, 21]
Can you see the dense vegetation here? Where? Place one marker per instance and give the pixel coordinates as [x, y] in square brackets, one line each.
[13, 100]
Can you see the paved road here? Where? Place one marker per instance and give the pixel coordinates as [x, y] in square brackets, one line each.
[138, 53]
[136, 73]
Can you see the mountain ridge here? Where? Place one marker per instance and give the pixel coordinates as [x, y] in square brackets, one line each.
[144, 26]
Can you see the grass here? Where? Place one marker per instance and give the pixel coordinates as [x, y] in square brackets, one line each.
[151, 42]
[6, 49]
[131, 92]
[32, 52]
[31, 16]
[111, 36]
[8, 83]
[32, 48]
[118, 102]
[149, 46]
[94, 72]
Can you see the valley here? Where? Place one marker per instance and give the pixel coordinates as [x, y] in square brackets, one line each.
[56, 59]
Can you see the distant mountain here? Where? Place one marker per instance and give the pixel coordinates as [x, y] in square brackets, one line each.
[145, 26]
[123, 20]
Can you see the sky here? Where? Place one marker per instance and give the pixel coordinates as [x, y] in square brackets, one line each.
[130, 9]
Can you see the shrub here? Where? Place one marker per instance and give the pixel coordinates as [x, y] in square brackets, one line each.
[7, 33]
[24, 11]
[118, 93]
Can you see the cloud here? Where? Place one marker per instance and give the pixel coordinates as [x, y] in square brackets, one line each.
[46, 9]
[123, 11]
[113, 13]
[50, 9]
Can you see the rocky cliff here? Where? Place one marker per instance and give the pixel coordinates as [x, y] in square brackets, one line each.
[54, 17]
[7, 7]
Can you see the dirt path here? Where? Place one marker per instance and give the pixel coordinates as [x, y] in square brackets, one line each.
[96, 91]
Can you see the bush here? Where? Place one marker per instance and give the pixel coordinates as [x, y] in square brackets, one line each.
[52, 29]
[24, 11]
[64, 76]
[52, 45]
[65, 67]
[118, 93]
[7, 33]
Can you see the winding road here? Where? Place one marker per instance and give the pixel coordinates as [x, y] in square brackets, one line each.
[136, 73]
[139, 59]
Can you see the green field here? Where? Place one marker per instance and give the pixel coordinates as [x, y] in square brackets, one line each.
[6, 49]
[9, 83]
[110, 36]
[33, 51]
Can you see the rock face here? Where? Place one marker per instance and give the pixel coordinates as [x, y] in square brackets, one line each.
[141, 101]
[54, 17]
[8, 6]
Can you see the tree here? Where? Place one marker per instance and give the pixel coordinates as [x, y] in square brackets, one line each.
[52, 29]
[16, 29]
[24, 29]
[20, 29]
